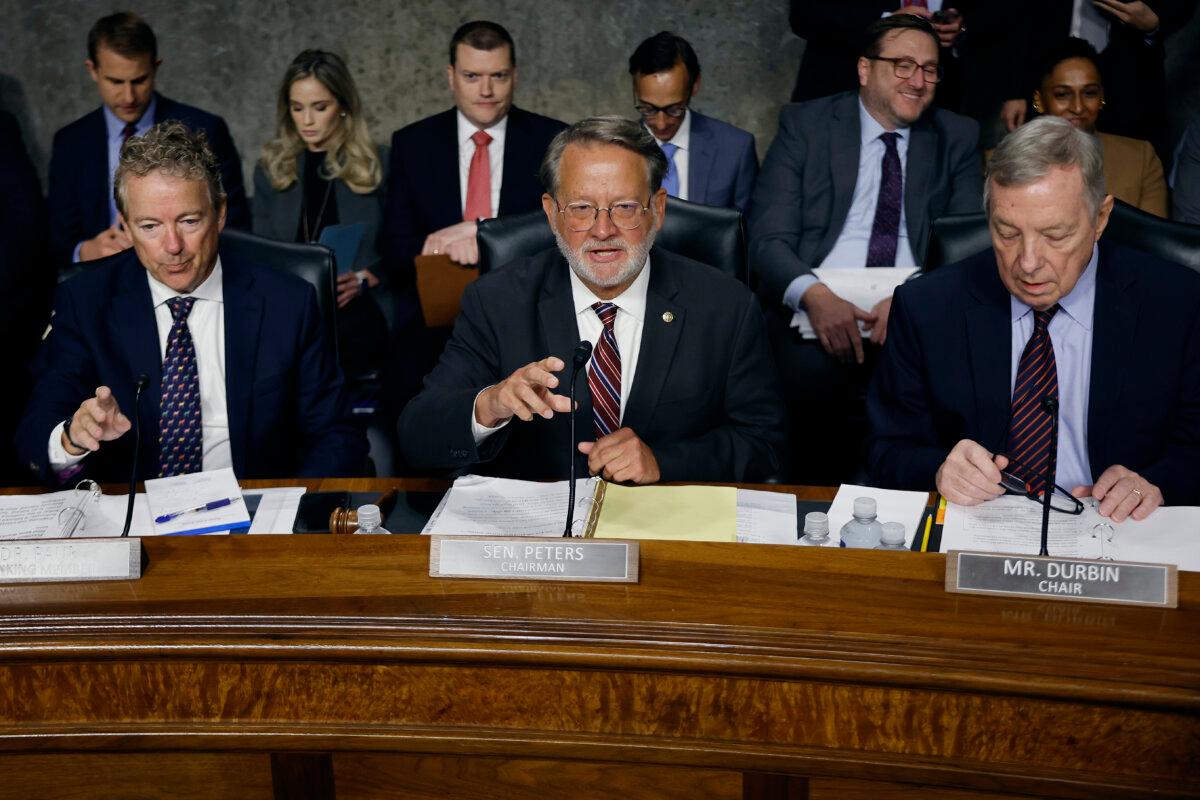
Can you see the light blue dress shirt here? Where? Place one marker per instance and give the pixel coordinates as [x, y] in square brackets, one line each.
[1071, 334]
[850, 249]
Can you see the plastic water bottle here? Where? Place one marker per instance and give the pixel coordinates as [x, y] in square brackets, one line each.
[370, 520]
[892, 538]
[816, 529]
[863, 530]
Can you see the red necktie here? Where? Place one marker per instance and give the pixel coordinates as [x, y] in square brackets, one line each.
[1037, 378]
[604, 380]
[479, 180]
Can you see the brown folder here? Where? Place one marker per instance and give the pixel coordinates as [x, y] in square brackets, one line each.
[440, 285]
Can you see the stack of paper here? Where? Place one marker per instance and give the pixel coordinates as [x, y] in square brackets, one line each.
[862, 286]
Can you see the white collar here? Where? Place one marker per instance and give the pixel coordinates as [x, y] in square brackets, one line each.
[1080, 302]
[467, 129]
[210, 289]
[683, 137]
[632, 301]
[871, 129]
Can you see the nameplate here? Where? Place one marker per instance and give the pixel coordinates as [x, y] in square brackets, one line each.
[1081, 579]
[533, 559]
[51, 560]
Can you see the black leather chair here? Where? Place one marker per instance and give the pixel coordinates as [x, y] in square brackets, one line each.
[710, 235]
[956, 237]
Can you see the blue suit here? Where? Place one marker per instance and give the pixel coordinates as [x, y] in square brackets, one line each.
[283, 389]
[945, 372]
[79, 192]
[722, 164]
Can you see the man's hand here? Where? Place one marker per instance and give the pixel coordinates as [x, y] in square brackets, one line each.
[878, 328]
[98, 419]
[836, 322]
[1122, 493]
[621, 457]
[1135, 14]
[948, 31]
[970, 474]
[348, 288]
[107, 242]
[523, 394]
[916, 11]
[1012, 114]
[456, 241]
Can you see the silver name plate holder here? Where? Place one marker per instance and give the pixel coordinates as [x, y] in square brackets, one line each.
[57, 560]
[529, 558]
[1083, 580]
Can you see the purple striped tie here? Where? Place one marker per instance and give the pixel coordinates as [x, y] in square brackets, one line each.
[180, 445]
[1037, 378]
[885, 231]
[605, 377]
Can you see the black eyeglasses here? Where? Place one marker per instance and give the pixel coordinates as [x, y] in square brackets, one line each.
[905, 67]
[1060, 499]
[674, 111]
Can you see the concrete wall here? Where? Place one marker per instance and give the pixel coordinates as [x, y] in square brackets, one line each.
[227, 57]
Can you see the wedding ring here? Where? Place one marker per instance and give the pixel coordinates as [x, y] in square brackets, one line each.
[1138, 492]
[435, 252]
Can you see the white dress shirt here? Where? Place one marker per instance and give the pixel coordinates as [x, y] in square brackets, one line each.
[206, 322]
[627, 328]
[850, 249]
[683, 140]
[466, 151]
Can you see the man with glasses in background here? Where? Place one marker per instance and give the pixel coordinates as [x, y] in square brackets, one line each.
[1054, 330]
[853, 180]
[680, 384]
[708, 161]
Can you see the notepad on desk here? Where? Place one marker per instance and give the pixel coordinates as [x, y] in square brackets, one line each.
[197, 503]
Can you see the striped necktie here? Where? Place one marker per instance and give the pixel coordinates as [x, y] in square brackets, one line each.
[1037, 378]
[604, 379]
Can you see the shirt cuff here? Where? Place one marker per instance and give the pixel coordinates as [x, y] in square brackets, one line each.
[75, 253]
[478, 429]
[60, 459]
[796, 289]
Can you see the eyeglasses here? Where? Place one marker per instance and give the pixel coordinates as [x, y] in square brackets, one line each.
[626, 215]
[905, 67]
[1060, 499]
[674, 111]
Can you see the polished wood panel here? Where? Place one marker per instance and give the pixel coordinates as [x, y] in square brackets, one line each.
[144, 776]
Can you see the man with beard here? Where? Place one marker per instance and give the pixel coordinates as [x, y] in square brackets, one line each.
[680, 385]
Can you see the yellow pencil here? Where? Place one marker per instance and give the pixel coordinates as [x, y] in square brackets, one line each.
[925, 538]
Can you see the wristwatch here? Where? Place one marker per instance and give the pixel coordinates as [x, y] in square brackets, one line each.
[67, 433]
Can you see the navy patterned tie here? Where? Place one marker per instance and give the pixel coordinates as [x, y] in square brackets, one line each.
[605, 377]
[885, 231]
[180, 446]
[1037, 378]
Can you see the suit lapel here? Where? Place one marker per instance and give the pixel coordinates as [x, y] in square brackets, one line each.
[1114, 323]
[918, 168]
[844, 150]
[97, 167]
[243, 320]
[700, 159]
[659, 339]
[136, 334]
[443, 169]
[560, 334]
[989, 345]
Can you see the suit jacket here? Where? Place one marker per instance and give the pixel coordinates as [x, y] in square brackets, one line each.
[423, 195]
[705, 397]
[722, 164]
[806, 186]
[79, 191]
[946, 372]
[1185, 200]
[283, 388]
[277, 213]
[1133, 173]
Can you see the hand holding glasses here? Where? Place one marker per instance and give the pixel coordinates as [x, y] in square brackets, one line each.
[1060, 499]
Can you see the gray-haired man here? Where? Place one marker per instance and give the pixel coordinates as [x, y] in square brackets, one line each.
[1112, 335]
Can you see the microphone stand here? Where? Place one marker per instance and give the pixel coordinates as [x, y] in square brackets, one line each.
[583, 351]
[142, 382]
[1050, 406]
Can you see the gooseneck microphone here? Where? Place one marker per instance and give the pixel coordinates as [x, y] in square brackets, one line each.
[1050, 406]
[583, 351]
[142, 383]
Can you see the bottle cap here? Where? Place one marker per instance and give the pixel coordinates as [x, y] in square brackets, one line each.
[864, 506]
[369, 517]
[816, 524]
[893, 533]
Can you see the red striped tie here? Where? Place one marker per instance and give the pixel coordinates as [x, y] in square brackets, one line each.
[1037, 378]
[604, 379]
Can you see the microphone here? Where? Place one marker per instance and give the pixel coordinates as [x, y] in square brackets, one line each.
[1050, 406]
[142, 383]
[583, 351]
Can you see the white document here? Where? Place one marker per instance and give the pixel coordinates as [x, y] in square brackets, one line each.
[862, 286]
[482, 506]
[766, 517]
[276, 512]
[1013, 524]
[186, 492]
[891, 505]
[42, 516]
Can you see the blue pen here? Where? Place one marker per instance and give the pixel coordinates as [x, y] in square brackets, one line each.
[206, 507]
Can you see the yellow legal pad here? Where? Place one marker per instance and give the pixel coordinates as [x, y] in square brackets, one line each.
[685, 513]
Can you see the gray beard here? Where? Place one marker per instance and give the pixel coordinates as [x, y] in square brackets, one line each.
[635, 259]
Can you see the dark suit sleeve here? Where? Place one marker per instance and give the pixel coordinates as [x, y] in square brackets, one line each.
[1185, 199]
[747, 171]
[237, 209]
[1176, 473]
[777, 211]
[903, 446]
[65, 212]
[332, 446]
[402, 237]
[749, 443]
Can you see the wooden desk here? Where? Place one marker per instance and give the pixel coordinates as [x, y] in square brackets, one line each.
[301, 666]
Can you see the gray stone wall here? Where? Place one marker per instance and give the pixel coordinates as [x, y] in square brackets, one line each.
[227, 57]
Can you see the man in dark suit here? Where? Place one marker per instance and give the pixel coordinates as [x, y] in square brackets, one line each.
[123, 61]
[1110, 335]
[853, 180]
[238, 372]
[709, 161]
[680, 385]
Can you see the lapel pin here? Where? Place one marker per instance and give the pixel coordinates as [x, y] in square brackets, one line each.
[668, 317]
